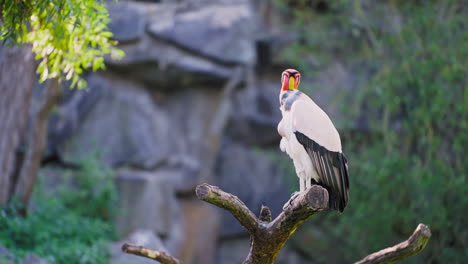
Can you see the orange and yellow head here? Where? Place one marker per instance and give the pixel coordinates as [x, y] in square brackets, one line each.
[290, 79]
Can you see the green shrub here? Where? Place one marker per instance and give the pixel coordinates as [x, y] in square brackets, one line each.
[414, 94]
[70, 226]
[93, 182]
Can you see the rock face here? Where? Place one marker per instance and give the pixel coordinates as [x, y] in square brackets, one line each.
[233, 251]
[202, 226]
[147, 201]
[256, 115]
[124, 124]
[127, 24]
[153, 118]
[185, 44]
[252, 176]
[219, 31]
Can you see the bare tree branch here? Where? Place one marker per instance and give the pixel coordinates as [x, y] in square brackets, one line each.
[410, 247]
[300, 208]
[160, 256]
[234, 205]
[268, 237]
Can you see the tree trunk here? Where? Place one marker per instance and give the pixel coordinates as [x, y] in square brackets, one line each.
[23, 122]
[17, 76]
[35, 140]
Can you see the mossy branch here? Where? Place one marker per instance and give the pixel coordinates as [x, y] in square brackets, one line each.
[410, 247]
[232, 203]
[269, 236]
[157, 255]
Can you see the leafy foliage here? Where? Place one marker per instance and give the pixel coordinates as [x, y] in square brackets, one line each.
[68, 36]
[412, 66]
[93, 182]
[67, 226]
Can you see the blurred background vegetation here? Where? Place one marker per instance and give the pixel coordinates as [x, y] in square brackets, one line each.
[412, 168]
[403, 119]
[70, 222]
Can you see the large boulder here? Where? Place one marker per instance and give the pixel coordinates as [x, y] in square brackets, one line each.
[127, 22]
[256, 115]
[162, 66]
[222, 31]
[194, 144]
[201, 231]
[165, 57]
[147, 200]
[123, 124]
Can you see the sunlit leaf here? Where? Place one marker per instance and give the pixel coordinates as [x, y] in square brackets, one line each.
[67, 35]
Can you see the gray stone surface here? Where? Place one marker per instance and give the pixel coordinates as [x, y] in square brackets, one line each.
[75, 105]
[256, 115]
[6, 257]
[222, 31]
[233, 251]
[170, 45]
[33, 259]
[124, 124]
[162, 66]
[146, 200]
[252, 176]
[127, 22]
[193, 146]
[142, 237]
[201, 232]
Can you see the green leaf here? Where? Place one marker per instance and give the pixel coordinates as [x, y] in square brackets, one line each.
[64, 35]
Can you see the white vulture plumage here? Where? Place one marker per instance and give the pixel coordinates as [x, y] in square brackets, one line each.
[310, 139]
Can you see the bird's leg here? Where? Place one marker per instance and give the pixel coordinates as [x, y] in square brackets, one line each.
[302, 184]
[308, 182]
[302, 187]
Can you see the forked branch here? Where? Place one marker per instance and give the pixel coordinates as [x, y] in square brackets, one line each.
[269, 236]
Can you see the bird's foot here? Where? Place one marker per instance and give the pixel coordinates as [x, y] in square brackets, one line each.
[293, 196]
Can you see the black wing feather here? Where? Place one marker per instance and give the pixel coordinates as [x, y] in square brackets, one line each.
[332, 168]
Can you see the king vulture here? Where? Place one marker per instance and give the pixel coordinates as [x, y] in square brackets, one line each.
[310, 139]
